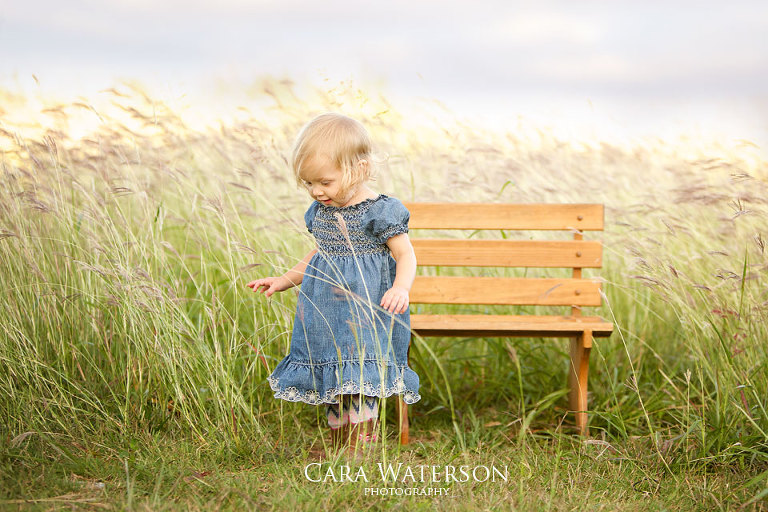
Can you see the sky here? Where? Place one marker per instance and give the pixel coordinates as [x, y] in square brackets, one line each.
[594, 67]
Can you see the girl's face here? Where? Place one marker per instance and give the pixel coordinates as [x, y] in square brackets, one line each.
[323, 181]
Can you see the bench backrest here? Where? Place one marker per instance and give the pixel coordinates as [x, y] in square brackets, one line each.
[574, 254]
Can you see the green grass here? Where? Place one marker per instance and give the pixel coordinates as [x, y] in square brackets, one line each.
[133, 360]
[545, 470]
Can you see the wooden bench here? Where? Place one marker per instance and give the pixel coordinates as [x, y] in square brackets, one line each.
[574, 292]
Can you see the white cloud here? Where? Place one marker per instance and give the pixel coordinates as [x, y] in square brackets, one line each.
[471, 46]
[536, 28]
[591, 67]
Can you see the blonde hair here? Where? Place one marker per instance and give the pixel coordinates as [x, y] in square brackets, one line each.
[342, 140]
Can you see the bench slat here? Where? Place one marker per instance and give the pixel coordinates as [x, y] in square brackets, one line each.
[505, 291]
[505, 216]
[488, 326]
[508, 253]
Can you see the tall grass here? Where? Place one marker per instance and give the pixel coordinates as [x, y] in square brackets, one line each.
[125, 254]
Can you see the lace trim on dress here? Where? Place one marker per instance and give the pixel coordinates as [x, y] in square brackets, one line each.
[313, 397]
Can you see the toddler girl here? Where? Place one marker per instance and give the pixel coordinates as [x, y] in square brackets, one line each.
[351, 332]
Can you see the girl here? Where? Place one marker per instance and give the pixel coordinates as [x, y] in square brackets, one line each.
[351, 332]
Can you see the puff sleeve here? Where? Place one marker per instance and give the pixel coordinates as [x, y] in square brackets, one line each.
[386, 218]
[309, 216]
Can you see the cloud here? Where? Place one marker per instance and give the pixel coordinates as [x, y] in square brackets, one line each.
[631, 47]
[533, 28]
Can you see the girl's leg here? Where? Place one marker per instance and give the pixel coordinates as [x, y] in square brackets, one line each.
[338, 419]
[353, 420]
[363, 408]
[363, 416]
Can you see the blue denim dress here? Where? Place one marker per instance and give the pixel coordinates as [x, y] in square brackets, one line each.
[343, 342]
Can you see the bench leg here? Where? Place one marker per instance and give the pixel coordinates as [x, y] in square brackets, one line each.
[577, 379]
[401, 415]
[401, 408]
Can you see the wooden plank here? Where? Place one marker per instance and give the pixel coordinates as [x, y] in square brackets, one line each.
[508, 253]
[505, 290]
[505, 216]
[490, 326]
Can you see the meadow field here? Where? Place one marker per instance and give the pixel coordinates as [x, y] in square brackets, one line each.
[133, 359]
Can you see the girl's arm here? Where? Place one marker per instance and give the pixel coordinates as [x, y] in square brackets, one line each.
[396, 299]
[292, 278]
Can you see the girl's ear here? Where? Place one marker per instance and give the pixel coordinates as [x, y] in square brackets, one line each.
[362, 165]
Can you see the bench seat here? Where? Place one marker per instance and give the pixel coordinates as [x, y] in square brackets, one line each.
[489, 326]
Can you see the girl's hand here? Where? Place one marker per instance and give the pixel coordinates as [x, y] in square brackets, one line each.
[395, 300]
[270, 285]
